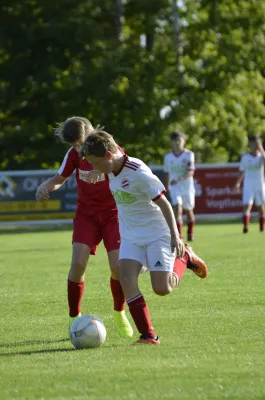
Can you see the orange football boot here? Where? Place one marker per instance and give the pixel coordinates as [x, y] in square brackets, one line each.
[196, 264]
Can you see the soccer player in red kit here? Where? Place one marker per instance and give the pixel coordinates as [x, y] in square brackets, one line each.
[96, 219]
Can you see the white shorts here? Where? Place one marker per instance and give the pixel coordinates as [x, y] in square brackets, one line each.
[253, 195]
[187, 200]
[157, 256]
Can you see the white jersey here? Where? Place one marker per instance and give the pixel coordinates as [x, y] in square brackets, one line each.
[177, 166]
[253, 168]
[141, 221]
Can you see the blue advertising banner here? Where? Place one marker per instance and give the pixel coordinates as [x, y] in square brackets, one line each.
[17, 196]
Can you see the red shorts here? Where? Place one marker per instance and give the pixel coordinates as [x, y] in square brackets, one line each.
[90, 230]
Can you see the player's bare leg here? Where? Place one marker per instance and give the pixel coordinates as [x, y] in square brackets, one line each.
[246, 217]
[261, 211]
[76, 277]
[178, 215]
[164, 282]
[129, 272]
[124, 327]
[191, 223]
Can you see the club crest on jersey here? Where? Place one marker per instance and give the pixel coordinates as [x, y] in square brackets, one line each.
[125, 183]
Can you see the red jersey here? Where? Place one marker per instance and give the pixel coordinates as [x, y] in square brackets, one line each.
[92, 197]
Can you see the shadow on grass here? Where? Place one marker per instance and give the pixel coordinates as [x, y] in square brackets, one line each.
[31, 342]
[44, 351]
[30, 352]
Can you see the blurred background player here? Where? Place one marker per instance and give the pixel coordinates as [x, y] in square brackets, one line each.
[96, 219]
[179, 166]
[252, 174]
[149, 234]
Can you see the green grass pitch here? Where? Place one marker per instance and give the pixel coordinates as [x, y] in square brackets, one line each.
[212, 332]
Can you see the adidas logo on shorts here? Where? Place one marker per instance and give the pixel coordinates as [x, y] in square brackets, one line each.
[158, 264]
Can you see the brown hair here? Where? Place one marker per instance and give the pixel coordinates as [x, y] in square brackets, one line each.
[74, 129]
[97, 144]
[253, 138]
[177, 134]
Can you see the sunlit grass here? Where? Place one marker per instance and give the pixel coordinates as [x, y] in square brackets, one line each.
[212, 332]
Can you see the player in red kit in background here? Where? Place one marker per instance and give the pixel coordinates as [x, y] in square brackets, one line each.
[96, 219]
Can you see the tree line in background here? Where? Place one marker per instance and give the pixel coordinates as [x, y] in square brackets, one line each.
[140, 68]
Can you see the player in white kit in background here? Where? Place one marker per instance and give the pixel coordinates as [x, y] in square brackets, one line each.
[252, 174]
[179, 166]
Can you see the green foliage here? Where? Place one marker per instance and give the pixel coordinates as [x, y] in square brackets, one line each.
[70, 58]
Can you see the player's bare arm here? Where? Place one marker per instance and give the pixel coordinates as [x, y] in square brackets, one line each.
[176, 242]
[167, 181]
[239, 181]
[48, 186]
[182, 178]
[261, 148]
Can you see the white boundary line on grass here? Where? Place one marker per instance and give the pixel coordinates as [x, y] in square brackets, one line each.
[36, 223]
[52, 222]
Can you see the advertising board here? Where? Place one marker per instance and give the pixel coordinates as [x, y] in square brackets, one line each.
[214, 183]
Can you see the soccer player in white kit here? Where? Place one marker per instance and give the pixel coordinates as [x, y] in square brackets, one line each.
[148, 230]
[252, 175]
[179, 166]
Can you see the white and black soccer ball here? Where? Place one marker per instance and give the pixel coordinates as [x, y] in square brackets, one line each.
[87, 331]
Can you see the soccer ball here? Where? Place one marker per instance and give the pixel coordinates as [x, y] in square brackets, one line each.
[87, 331]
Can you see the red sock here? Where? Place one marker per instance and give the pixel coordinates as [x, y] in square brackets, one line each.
[117, 294]
[261, 223]
[191, 227]
[75, 294]
[246, 220]
[139, 312]
[179, 226]
[180, 266]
